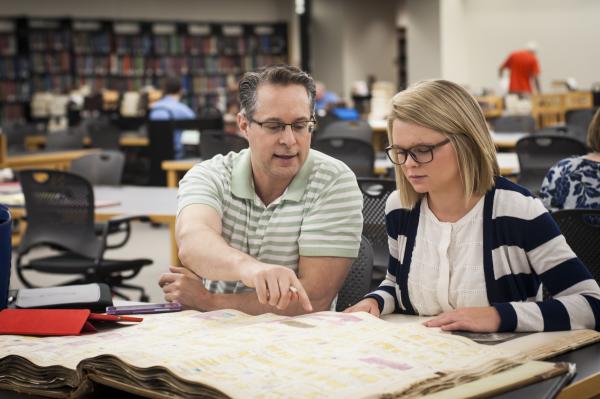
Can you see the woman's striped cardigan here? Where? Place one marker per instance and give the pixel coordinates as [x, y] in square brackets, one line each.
[522, 249]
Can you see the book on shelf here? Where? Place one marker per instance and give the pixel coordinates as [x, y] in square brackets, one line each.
[228, 354]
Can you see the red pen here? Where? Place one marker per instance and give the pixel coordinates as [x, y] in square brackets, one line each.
[111, 317]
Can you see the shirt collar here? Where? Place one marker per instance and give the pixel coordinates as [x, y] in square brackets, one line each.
[242, 183]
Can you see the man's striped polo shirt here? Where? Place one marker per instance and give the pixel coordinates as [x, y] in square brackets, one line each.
[319, 214]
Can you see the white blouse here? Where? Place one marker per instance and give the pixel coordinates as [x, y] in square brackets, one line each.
[447, 263]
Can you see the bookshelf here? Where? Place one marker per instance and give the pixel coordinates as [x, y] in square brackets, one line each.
[59, 54]
[49, 48]
[14, 72]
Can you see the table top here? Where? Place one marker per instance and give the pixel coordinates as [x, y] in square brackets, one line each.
[25, 159]
[158, 202]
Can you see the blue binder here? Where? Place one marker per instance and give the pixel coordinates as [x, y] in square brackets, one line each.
[5, 254]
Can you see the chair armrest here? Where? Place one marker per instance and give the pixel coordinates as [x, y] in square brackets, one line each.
[120, 224]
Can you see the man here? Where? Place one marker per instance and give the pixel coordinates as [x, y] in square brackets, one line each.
[272, 228]
[524, 70]
[171, 107]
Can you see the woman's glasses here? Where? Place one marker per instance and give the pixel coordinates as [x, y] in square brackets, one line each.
[419, 153]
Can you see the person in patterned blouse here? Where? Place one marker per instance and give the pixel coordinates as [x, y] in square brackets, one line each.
[575, 182]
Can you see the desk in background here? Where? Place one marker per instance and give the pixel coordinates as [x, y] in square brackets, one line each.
[36, 142]
[60, 160]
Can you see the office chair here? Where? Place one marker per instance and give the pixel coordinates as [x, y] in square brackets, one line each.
[103, 133]
[324, 120]
[514, 123]
[356, 153]
[375, 194]
[15, 134]
[581, 228]
[358, 281]
[68, 139]
[580, 118]
[100, 168]
[568, 131]
[538, 153]
[359, 130]
[60, 215]
[213, 142]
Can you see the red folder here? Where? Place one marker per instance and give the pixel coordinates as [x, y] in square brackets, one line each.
[53, 321]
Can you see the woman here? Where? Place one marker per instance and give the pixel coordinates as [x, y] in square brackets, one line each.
[575, 182]
[467, 245]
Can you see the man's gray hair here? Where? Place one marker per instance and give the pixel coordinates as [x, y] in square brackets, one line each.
[277, 75]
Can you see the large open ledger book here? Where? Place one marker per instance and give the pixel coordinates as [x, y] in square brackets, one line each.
[229, 354]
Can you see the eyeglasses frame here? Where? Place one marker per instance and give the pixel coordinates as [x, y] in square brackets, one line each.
[412, 154]
[310, 131]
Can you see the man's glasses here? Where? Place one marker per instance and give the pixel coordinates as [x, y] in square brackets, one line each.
[274, 127]
[419, 153]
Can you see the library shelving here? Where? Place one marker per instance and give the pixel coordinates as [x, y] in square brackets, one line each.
[14, 73]
[58, 54]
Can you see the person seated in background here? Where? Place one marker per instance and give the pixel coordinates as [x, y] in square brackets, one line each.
[575, 182]
[171, 107]
[325, 100]
[273, 228]
[467, 245]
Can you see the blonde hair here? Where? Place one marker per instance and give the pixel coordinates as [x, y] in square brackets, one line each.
[593, 134]
[447, 108]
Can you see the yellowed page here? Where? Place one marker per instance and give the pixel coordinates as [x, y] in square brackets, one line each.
[326, 354]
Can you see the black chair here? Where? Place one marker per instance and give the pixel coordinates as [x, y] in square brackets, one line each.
[580, 118]
[104, 168]
[375, 194]
[324, 120]
[356, 153]
[68, 139]
[358, 281]
[15, 134]
[103, 133]
[213, 142]
[359, 130]
[100, 168]
[60, 215]
[538, 153]
[160, 134]
[568, 131]
[581, 228]
[514, 123]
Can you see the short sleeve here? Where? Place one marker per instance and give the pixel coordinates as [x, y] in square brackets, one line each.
[333, 224]
[203, 184]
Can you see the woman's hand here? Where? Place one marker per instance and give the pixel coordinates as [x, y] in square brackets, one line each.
[368, 305]
[482, 319]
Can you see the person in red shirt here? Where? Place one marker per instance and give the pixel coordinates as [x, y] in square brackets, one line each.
[524, 70]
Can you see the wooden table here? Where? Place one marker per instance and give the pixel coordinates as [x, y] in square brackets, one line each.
[60, 160]
[126, 140]
[3, 150]
[175, 168]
